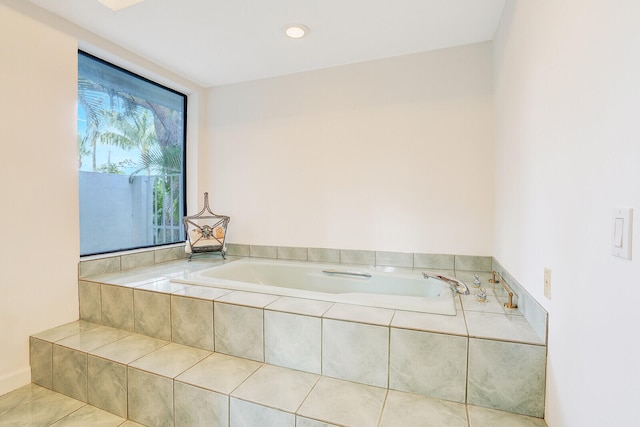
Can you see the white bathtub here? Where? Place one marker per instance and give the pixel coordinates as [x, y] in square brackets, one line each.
[331, 282]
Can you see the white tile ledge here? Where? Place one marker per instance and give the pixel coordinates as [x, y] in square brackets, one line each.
[503, 330]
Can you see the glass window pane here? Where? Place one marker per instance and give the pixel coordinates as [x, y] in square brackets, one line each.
[131, 151]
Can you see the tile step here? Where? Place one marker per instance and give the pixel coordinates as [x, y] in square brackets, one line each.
[157, 383]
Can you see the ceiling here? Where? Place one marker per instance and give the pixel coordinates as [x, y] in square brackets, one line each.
[217, 42]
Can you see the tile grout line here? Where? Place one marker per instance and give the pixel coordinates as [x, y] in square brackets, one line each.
[466, 385]
[389, 354]
[305, 399]
[384, 404]
[173, 399]
[213, 323]
[322, 344]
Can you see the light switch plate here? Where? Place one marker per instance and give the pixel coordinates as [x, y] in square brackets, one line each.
[621, 233]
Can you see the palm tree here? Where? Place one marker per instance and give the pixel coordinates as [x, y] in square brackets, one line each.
[135, 128]
[135, 123]
[131, 129]
[91, 99]
[82, 150]
[132, 122]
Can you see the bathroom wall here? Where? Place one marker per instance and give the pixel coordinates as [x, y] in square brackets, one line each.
[40, 233]
[394, 154]
[39, 191]
[567, 97]
[391, 155]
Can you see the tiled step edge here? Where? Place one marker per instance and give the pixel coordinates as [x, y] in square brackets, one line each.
[118, 371]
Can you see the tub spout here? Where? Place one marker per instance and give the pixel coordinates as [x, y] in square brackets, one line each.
[456, 285]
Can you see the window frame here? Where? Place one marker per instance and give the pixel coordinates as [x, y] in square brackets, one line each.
[184, 151]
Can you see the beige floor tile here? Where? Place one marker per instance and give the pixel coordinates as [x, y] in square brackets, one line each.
[359, 313]
[485, 417]
[430, 322]
[129, 348]
[405, 409]
[277, 387]
[65, 331]
[93, 338]
[219, 372]
[33, 405]
[170, 360]
[344, 403]
[90, 416]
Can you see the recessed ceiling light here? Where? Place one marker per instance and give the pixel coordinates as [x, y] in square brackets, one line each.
[296, 31]
[116, 5]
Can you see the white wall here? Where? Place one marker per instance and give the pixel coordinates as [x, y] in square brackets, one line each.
[39, 252]
[391, 155]
[394, 154]
[40, 187]
[567, 97]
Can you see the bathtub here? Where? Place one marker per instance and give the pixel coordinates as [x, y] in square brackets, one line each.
[404, 290]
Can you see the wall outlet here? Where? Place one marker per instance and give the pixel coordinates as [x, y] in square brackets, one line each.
[547, 283]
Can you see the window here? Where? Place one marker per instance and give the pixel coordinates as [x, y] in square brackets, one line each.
[131, 151]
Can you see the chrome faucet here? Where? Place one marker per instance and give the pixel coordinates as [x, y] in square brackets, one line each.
[456, 285]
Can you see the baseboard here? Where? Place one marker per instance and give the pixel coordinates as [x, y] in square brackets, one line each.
[13, 380]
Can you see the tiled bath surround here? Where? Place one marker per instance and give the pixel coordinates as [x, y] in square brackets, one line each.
[165, 332]
[457, 358]
[97, 265]
[529, 307]
[462, 265]
[377, 258]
